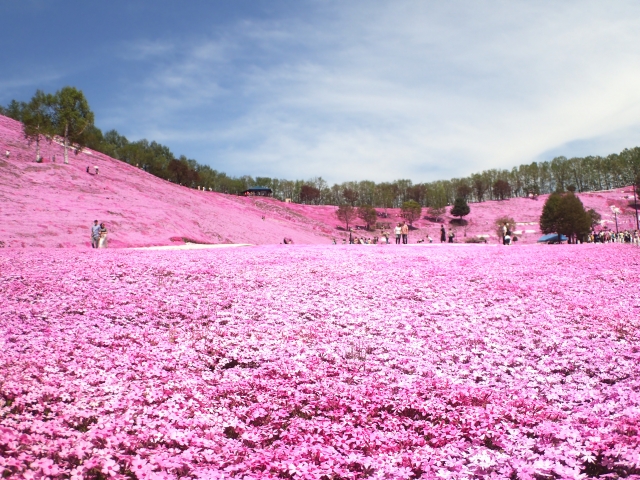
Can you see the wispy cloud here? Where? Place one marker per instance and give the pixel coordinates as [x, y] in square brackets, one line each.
[382, 90]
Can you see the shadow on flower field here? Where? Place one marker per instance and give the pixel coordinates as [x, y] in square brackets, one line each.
[321, 362]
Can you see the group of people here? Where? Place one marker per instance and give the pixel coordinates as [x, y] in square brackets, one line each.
[444, 236]
[98, 235]
[507, 236]
[402, 233]
[607, 236]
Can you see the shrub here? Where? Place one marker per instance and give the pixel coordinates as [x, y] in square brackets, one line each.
[475, 240]
[504, 220]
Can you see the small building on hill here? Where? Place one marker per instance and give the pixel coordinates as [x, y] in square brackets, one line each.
[257, 192]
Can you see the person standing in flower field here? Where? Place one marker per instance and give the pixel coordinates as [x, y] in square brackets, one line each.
[451, 236]
[102, 243]
[405, 233]
[398, 232]
[443, 234]
[95, 233]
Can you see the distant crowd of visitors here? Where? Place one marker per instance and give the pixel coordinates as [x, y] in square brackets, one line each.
[607, 236]
[401, 235]
[98, 235]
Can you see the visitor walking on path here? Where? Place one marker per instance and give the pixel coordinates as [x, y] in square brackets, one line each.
[95, 234]
[102, 243]
[405, 233]
[443, 234]
[451, 236]
[398, 232]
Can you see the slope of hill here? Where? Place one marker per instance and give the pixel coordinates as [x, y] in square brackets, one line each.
[53, 204]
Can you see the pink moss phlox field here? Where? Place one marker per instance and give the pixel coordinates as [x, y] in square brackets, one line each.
[53, 205]
[321, 362]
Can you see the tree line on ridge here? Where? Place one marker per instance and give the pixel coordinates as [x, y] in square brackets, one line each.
[66, 114]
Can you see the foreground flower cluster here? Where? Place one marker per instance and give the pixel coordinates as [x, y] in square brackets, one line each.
[321, 362]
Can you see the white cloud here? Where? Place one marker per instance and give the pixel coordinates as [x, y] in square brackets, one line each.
[378, 90]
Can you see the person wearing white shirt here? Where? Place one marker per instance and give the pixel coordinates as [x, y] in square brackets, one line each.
[398, 232]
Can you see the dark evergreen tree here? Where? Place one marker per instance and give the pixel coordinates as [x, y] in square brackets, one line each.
[550, 218]
[460, 208]
[574, 221]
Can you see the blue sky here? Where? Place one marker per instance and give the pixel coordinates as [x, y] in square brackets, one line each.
[350, 90]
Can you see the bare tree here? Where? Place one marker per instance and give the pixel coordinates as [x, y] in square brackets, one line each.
[347, 214]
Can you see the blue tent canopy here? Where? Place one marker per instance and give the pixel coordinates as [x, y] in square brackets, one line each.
[552, 238]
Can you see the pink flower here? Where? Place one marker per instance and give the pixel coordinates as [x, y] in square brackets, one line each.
[110, 467]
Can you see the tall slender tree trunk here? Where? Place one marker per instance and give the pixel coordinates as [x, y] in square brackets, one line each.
[66, 143]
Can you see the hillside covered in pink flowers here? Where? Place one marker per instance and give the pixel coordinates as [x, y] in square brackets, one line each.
[53, 204]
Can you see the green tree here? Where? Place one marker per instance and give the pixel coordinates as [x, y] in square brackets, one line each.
[94, 139]
[501, 189]
[595, 217]
[37, 120]
[550, 218]
[114, 144]
[464, 191]
[13, 110]
[387, 193]
[460, 208]
[346, 213]
[309, 194]
[480, 186]
[182, 172]
[351, 196]
[565, 215]
[574, 221]
[72, 116]
[411, 211]
[368, 214]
